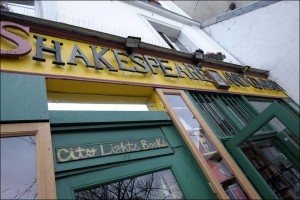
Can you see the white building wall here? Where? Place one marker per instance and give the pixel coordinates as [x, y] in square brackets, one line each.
[266, 38]
[125, 19]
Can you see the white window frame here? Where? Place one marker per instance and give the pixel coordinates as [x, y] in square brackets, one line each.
[166, 29]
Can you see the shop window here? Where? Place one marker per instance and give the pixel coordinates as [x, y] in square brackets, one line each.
[274, 167]
[225, 178]
[27, 170]
[272, 160]
[229, 114]
[213, 107]
[18, 168]
[157, 185]
[260, 104]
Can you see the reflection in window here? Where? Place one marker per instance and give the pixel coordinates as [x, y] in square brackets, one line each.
[158, 185]
[18, 168]
[216, 163]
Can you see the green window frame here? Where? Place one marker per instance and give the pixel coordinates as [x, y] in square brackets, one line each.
[288, 120]
[228, 114]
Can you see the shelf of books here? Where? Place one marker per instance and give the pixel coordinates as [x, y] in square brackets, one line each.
[280, 174]
[206, 148]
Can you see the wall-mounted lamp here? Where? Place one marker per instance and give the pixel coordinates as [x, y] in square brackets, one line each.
[266, 73]
[244, 70]
[132, 43]
[198, 57]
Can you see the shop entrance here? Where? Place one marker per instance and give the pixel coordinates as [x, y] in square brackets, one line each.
[123, 155]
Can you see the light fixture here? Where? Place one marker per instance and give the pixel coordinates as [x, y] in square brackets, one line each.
[132, 43]
[198, 57]
[266, 73]
[244, 69]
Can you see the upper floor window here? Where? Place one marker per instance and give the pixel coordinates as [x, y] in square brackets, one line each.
[21, 7]
[27, 3]
[172, 36]
[174, 42]
[154, 1]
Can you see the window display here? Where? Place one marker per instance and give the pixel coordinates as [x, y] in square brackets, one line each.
[278, 171]
[216, 163]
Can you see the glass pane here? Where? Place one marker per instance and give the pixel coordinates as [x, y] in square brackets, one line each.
[97, 107]
[294, 105]
[158, 185]
[18, 168]
[217, 164]
[269, 158]
[260, 105]
[175, 41]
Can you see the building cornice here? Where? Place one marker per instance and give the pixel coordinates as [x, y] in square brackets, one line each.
[63, 30]
[164, 12]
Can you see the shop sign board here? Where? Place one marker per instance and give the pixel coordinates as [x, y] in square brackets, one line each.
[61, 58]
[65, 154]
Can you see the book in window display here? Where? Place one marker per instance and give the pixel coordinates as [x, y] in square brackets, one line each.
[219, 169]
[204, 145]
[234, 191]
[295, 172]
[289, 194]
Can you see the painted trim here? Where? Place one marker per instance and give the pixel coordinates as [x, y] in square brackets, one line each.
[237, 12]
[139, 84]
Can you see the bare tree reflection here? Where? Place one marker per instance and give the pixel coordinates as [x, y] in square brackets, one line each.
[29, 139]
[19, 189]
[152, 186]
[24, 194]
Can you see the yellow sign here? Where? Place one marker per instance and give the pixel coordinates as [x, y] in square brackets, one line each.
[61, 58]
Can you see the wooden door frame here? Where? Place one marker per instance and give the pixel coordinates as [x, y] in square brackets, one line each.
[214, 183]
[46, 187]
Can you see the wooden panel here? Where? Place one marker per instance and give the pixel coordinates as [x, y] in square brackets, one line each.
[85, 87]
[45, 168]
[61, 117]
[23, 98]
[109, 136]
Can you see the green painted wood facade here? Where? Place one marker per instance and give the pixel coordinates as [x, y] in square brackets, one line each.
[23, 98]
[77, 128]
[283, 110]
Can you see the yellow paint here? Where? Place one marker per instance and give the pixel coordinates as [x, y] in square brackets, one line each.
[96, 88]
[154, 103]
[27, 65]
